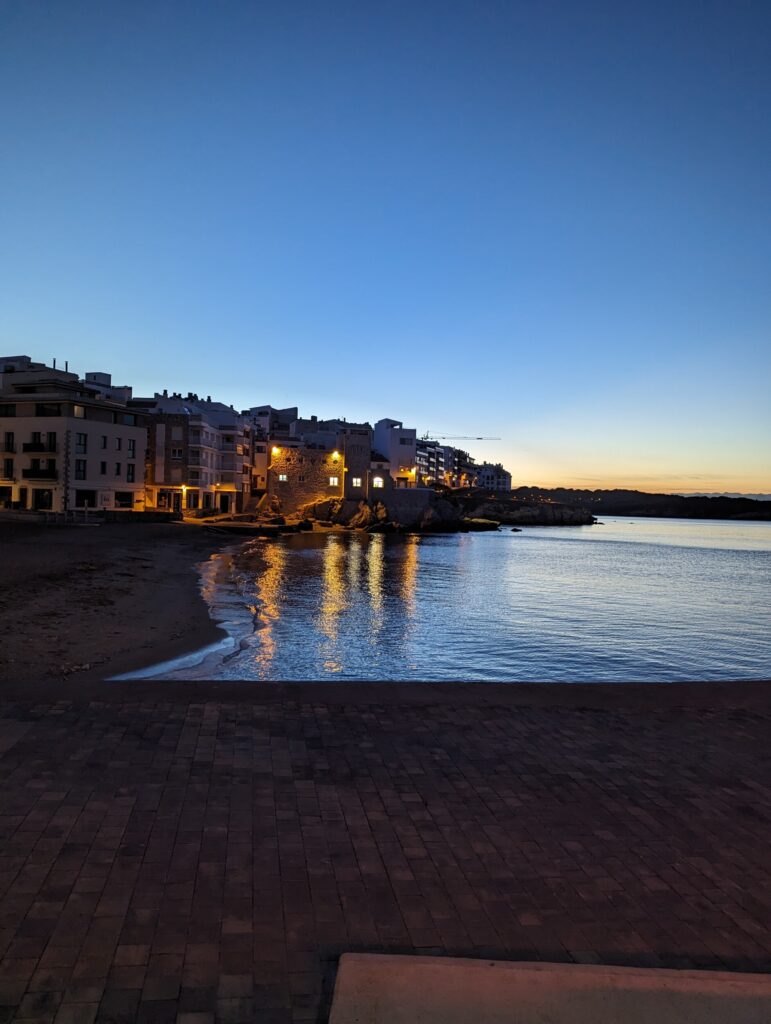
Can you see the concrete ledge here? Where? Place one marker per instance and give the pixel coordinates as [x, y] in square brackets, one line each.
[373, 989]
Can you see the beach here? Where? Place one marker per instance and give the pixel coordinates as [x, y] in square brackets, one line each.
[86, 603]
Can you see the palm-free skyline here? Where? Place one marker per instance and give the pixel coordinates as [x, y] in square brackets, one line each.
[548, 222]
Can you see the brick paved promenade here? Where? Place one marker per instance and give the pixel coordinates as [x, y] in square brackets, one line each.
[210, 857]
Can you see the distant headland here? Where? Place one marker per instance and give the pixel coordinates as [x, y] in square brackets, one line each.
[621, 502]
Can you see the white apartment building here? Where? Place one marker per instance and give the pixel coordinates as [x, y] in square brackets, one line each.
[399, 446]
[493, 477]
[66, 445]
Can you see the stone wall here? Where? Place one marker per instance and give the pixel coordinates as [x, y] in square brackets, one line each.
[308, 473]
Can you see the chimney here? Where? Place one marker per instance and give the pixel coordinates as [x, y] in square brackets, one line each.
[165, 393]
[208, 399]
[66, 365]
[54, 362]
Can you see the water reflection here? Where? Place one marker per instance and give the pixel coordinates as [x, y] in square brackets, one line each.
[375, 571]
[409, 574]
[634, 603]
[269, 591]
[334, 599]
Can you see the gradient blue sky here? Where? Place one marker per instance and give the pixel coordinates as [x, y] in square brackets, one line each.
[545, 221]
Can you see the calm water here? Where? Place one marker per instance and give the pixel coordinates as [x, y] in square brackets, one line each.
[629, 600]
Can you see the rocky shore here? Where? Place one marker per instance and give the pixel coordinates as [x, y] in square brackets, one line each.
[430, 512]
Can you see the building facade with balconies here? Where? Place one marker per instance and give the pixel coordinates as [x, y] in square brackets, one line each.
[66, 445]
[200, 454]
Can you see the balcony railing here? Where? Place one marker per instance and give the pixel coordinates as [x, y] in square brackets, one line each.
[40, 474]
[6, 446]
[39, 446]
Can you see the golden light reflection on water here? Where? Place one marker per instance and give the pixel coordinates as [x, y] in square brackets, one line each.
[334, 599]
[267, 610]
[409, 576]
[375, 570]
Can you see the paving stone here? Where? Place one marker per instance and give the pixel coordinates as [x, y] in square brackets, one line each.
[208, 860]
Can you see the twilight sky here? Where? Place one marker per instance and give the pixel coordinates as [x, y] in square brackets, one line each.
[545, 221]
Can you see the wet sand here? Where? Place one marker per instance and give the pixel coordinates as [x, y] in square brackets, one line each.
[85, 603]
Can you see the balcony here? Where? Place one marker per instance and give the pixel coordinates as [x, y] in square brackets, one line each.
[8, 447]
[39, 446]
[40, 474]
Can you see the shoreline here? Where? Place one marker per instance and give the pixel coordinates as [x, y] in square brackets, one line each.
[86, 608]
[83, 604]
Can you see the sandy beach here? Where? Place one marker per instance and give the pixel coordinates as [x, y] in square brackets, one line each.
[81, 603]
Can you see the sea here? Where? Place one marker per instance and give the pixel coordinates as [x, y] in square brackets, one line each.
[627, 600]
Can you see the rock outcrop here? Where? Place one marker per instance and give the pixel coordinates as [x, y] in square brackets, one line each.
[426, 511]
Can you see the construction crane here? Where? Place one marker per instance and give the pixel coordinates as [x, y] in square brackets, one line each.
[428, 436]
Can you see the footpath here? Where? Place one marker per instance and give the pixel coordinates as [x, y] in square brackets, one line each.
[194, 852]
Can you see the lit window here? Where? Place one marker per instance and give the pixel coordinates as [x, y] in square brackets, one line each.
[356, 482]
[79, 412]
[377, 482]
[282, 478]
[334, 481]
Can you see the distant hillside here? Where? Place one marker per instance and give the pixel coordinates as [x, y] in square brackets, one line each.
[638, 503]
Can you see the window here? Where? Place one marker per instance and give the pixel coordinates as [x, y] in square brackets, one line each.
[104, 440]
[81, 444]
[118, 444]
[334, 481]
[405, 440]
[377, 481]
[128, 419]
[282, 478]
[130, 470]
[48, 409]
[301, 479]
[356, 482]
[102, 469]
[8, 469]
[132, 448]
[77, 411]
[9, 445]
[117, 469]
[7, 409]
[80, 469]
[176, 453]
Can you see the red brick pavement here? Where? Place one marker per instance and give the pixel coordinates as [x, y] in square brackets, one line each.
[211, 860]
